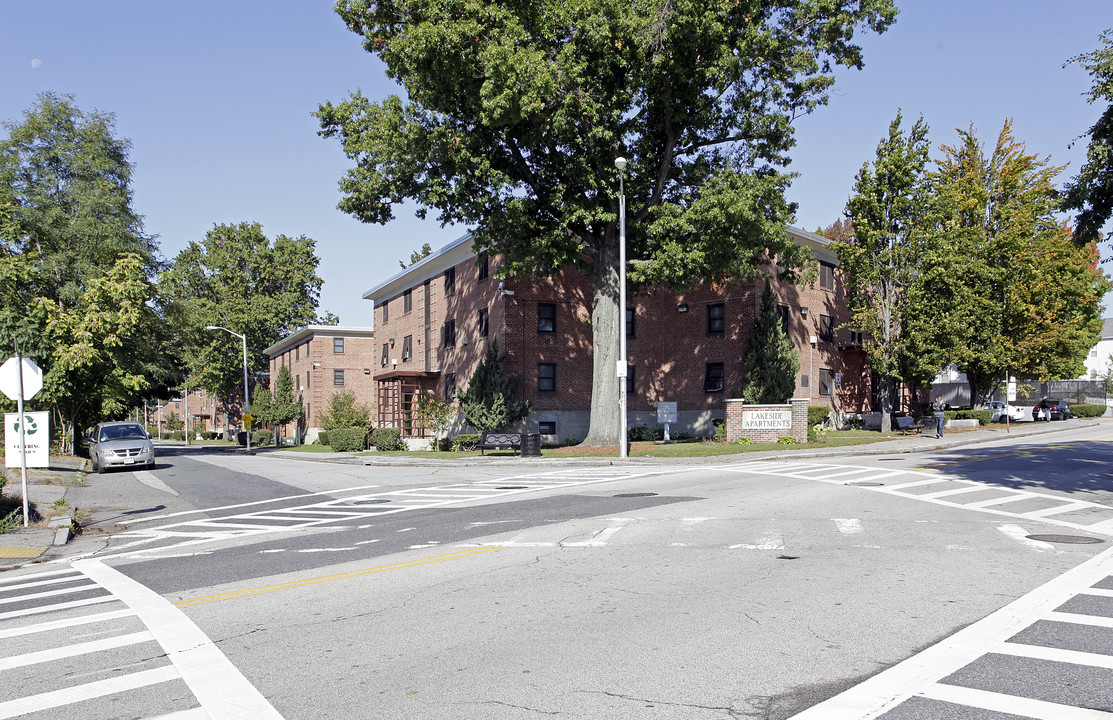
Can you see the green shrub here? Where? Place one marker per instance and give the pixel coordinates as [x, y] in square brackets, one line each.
[984, 417]
[817, 414]
[261, 438]
[720, 429]
[786, 440]
[639, 433]
[348, 439]
[464, 442]
[816, 433]
[322, 437]
[745, 441]
[1087, 410]
[386, 438]
[855, 423]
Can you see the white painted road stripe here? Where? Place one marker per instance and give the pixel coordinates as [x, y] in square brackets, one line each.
[66, 651]
[848, 526]
[49, 593]
[150, 480]
[69, 577]
[1079, 619]
[1010, 704]
[220, 688]
[55, 607]
[88, 691]
[63, 624]
[6, 584]
[194, 714]
[1019, 534]
[1039, 652]
[921, 673]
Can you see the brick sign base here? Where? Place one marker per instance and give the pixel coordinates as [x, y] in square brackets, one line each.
[767, 423]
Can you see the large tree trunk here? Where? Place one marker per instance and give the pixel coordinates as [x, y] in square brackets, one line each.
[606, 323]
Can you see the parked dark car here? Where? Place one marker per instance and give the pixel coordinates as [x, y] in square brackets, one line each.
[1059, 410]
[120, 444]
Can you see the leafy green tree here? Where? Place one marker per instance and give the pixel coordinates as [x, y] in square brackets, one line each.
[238, 279]
[262, 405]
[1003, 287]
[345, 412]
[1090, 193]
[882, 257]
[435, 414]
[75, 264]
[514, 113]
[489, 402]
[770, 363]
[173, 423]
[417, 256]
[285, 407]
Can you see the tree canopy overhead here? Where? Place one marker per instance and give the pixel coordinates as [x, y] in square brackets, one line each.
[515, 112]
[1090, 193]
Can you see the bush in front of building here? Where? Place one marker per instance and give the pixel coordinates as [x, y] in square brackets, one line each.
[262, 438]
[322, 437]
[388, 438]
[348, 439]
[817, 414]
[465, 442]
[1087, 410]
[984, 417]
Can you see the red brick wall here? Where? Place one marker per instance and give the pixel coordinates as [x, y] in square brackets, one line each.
[736, 408]
[314, 385]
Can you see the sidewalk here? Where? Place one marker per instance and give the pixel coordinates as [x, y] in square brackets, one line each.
[45, 486]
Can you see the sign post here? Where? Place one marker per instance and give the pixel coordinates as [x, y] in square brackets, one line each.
[20, 378]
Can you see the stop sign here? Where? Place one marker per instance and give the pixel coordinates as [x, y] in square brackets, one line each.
[9, 378]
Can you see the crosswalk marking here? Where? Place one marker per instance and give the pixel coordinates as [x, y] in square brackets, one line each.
[1011, 704]
[41, 656]
[89, 691]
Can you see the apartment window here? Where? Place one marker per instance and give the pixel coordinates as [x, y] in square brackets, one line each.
[805, 381]
[386, 354]
[856, 337]
[407, 301]
[450, 281]
[297, 353]
[826, 381]
[386, 304]
[713, 377]
[338, 346]
[631, 319]
[449, 387]
[826, 328]
[826, 276]
[546, 427]
[546, 317]
[483, 267]
[630, 379]
[483, 325]
[407, 347]
[715, 315]
[299, 382]
[306, 379]
[338, 378]
[546, 377]
[783, 311]
[450, 333]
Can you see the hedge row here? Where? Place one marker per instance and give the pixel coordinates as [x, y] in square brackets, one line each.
[1087, 410]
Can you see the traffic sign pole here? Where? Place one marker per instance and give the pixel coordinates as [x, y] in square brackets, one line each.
[22, 434]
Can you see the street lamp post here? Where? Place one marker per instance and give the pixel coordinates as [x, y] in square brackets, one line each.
[623, 441]
[246, 397]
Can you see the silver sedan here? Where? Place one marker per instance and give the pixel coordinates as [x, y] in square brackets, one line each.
[120, 444]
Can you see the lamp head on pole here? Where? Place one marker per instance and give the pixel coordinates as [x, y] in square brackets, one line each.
[620, 163]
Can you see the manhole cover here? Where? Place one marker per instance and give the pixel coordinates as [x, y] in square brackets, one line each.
[866, 483]
[1066, 539]
[627, 495]
[370, 502]
[512, 487]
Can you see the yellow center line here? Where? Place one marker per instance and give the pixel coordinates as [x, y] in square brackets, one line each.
[1026, 451]
[331, 578]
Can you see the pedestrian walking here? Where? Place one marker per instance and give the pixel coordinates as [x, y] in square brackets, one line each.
[940, 416]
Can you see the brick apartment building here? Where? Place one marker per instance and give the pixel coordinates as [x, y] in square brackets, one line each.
[323, 359]
[203, 410]
[434, 319]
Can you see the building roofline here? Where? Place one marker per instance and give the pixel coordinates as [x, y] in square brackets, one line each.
[310, 331]
[434, 264]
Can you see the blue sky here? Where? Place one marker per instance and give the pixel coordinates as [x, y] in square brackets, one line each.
[217, 101]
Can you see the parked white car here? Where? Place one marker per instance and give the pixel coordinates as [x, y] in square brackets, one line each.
[1001, 410]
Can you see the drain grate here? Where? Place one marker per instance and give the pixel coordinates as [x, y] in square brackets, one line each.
[1066, 539]
[370, 502]
[630, 495]
[865, 483]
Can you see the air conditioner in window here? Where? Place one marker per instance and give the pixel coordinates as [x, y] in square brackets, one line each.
[405, 356]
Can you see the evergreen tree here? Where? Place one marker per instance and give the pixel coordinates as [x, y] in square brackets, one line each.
[488, 404]
[770, 363]
[285, 407]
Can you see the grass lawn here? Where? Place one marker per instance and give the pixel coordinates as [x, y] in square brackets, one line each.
[681, 449]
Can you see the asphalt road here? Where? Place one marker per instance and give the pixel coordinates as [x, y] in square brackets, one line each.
[899, 587]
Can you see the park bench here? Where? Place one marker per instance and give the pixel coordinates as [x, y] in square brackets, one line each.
[906, 424]
[500, 441]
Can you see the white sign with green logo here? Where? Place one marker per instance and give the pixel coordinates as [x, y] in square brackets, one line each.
[36, 429]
